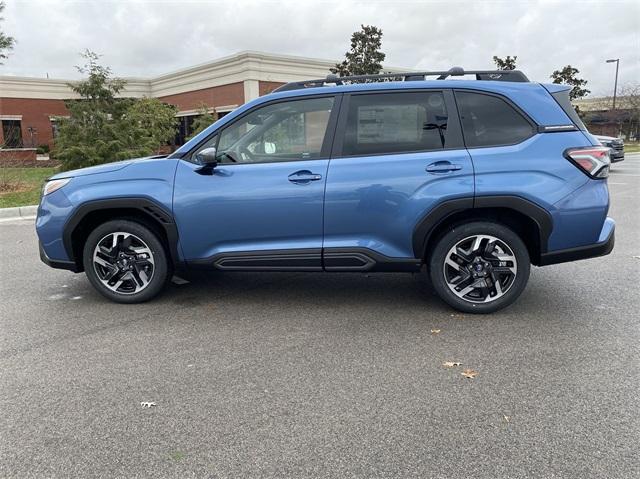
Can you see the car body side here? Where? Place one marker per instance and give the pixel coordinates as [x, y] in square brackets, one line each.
[555, 207]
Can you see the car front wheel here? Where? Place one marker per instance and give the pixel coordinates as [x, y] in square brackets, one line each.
[479, 267]
[125, 261]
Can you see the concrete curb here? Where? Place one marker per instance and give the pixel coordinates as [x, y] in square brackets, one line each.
[19, 212]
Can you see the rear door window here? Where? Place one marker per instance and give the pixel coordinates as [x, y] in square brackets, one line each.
[384, 123]
[488, 120]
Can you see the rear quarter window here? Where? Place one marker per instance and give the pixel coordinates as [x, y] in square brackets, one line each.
[488, 120]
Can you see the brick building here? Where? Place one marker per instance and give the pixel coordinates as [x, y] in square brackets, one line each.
[29, 106]
[601, 119]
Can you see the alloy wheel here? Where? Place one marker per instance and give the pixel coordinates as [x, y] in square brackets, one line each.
[123, 263]
[480, 268]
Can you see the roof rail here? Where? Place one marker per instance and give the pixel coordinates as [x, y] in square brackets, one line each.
[494, 75]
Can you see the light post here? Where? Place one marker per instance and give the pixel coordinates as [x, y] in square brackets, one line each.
[615, 86]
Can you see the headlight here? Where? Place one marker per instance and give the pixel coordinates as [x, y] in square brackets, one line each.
[53, 185]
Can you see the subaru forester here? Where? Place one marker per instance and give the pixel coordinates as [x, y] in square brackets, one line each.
[473, 180]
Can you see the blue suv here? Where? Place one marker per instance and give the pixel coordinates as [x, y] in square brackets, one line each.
[475, 179]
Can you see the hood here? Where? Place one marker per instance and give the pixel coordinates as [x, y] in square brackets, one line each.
[105, 168]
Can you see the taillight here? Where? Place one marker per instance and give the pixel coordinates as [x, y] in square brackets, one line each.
[592, 160]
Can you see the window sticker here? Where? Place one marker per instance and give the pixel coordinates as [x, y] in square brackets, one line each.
[388, 124]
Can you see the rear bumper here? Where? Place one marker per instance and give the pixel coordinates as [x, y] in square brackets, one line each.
[601, 248]
[55, 263]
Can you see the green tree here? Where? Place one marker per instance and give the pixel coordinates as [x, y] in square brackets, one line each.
[507, 63]
[568, 76]
[102, 127]
[6, 42]
[202, 121]
[155, 122]
[365, 57]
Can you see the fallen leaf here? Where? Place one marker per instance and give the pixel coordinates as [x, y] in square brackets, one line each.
[435, 331]
[469, 373]
[450, 364]
[147, 404]
[637, 257]
[506, 418]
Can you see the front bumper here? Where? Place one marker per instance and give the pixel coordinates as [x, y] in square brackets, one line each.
[56, 263]
[617, 155]
[603, 247]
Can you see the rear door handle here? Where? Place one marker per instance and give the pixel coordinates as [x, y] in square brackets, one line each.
[443, 167]
[303, 177]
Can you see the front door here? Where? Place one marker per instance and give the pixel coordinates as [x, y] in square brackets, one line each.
[262, 206]
[398, 155]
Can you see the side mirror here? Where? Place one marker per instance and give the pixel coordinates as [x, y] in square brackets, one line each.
[207, 157]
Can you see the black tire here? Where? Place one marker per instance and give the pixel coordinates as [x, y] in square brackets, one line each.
[514, 283]
[157, 268]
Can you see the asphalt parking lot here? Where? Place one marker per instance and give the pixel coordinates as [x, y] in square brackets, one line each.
[323, 375]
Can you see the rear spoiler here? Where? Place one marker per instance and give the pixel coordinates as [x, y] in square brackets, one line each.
[555, 87]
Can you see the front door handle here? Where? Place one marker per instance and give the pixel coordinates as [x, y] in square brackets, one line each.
[443, 167]
[303, 177]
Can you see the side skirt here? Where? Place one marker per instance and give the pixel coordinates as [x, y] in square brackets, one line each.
[364, 259]
[329, 259]
[269, 260]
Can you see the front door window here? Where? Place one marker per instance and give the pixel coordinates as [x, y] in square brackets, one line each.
[286, 131]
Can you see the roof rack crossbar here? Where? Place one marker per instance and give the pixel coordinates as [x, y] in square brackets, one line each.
[332, 79]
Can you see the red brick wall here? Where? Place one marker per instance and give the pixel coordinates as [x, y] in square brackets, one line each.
[35, 113]
[607, 129]
[18, 154]
[266, 87]
[232, 94]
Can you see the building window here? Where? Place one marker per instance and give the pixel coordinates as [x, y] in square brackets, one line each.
[185, 128]
[12, 133]
[55, 128]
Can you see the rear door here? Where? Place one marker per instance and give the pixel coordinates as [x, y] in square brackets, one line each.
[397, 155]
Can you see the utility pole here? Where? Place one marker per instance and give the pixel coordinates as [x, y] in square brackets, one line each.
[615, 85]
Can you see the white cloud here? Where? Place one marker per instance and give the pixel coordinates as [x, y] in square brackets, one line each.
[145, 38]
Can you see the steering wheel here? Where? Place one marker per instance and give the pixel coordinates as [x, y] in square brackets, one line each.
[230, 155]
[244, 151]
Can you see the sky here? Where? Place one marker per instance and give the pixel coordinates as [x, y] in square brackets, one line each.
[148, 38]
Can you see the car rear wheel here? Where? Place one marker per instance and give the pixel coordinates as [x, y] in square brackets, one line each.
[125, 261]
[479, 267]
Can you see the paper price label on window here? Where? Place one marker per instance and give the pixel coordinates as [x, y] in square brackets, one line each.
[392, 123]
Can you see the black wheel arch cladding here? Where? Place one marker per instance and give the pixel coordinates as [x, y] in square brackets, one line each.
[425, 228]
